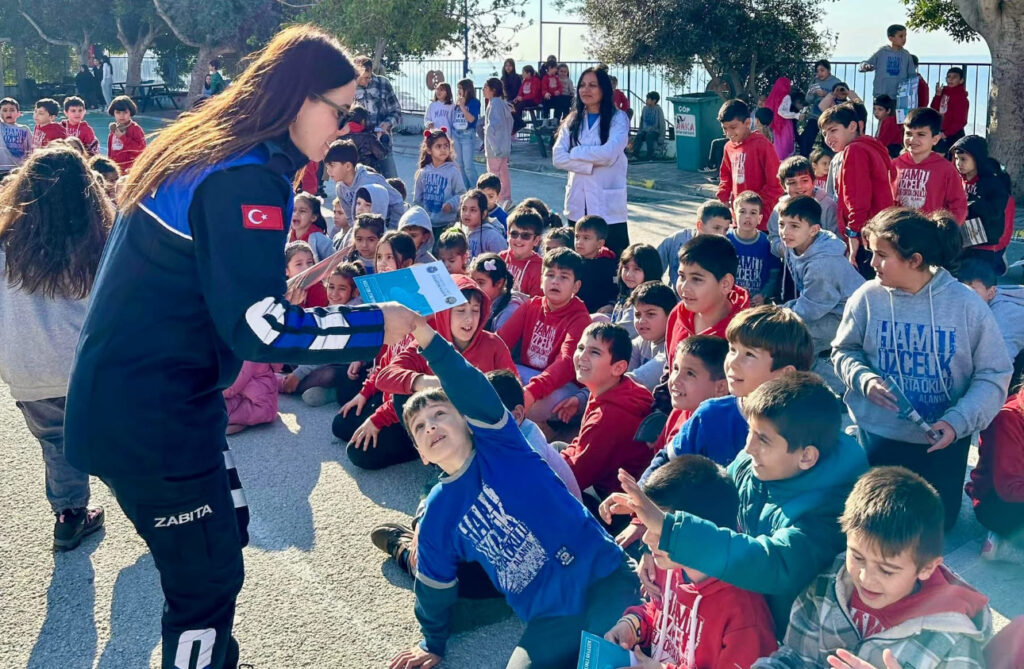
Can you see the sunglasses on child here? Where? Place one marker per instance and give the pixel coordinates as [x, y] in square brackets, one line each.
[515, 234]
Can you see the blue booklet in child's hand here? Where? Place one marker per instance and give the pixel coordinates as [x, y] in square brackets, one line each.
[426, 289]
[597, 653]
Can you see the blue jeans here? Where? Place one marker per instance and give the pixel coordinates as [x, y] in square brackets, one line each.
[464, 142]
[66, 487]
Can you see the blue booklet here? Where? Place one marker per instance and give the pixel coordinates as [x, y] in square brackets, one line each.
[596, 653]
[426, 289]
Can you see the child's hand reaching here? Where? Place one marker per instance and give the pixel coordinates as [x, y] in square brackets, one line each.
[622, 634]
[566, 409]
[640, 504]
[413, 658]
[290, 384]
[844, 659]
[878, 393]
[357, 403]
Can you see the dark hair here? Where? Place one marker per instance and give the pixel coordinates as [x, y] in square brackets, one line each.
[749, 196]
[893, 29]
[654, 95]
[399, 186]
[696, 485]
[363, 194]
[431, 137]
[315, 205]
[709, 349]
[481, 203]
[499, 273]
[402, 246]
[215, 63]
[711, 253]
[885, 102]
[860, 112]
[823, 63]
[358, 114]
[9, 101]
[104, 165]
[646, 258]
[50, 105]
[489, 180]
[527, 219]
[508, 388]
[924, 117]
[54, 221]
[595, 224]
[655, 294]
[350, 270]
[819, 152]
[843, 114]
[259, 105]
[564, 258]
[574, 120]
[453, 239]
[445, 88]
[468, 88]
[122, 103]
[794, 166]
[529, 70]
[777, 330]
[803, 207]
[496, 87]
[803, 409]
[620, 345]
[372, 222]
[896, 509]
[959, 71]
[75, 143]
[563, 235]
[936, 237]
[73, 101]
[551, 219]
[342, 151]
[976, 269]
[417, 402]
[764, 115]
[709, 209]
[733, 110]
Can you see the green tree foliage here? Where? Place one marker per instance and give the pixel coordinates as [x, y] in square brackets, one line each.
[89, 24]
[931, 15]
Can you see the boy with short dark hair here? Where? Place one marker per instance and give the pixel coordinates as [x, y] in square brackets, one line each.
[453, 250]
[342, 165]
[47, 128]
[713, 218]
[925, 180]
[758, 270]
[543, 333]
[490, 184]
[792, 476]
[652, 302]
[891, 64]
[559, 238]
[952, 103]
[76, 126]
[889, 597]
[796, 174]
[15, 138]
[652, 128]
[523, 262]
[126, 139]
[863, 179]
[598, 289]
[889, 132]
[701, 622]
[399, 186]
[750, 161]
[1006, 302]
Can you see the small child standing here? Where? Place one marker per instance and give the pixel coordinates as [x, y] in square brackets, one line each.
[524, 228]
[77, 126]
[639, 263]
[453, 250]
[951, 101]
[439, 183]
[483, 233]
[925, 180]
[889, 132]
[15, 139]
[597, 276]
[465, 119]
[758, 270]
[47, 128]
[439, 112]
[498, 135]
[750, 161]
[892, 64]
[126, 140]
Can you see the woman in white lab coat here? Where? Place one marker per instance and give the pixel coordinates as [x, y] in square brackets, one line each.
[591, 146]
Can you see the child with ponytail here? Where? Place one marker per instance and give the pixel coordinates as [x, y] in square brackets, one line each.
[491, 273]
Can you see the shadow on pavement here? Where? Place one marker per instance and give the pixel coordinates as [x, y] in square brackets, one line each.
[135, 610]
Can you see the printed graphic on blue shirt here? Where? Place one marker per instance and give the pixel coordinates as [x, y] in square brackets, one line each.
[435, 185]
[14, 139]
[918, 357]
[892, 65]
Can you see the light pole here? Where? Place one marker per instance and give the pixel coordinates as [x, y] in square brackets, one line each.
[465, 37]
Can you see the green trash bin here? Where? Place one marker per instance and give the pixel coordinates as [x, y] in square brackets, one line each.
[696, 124]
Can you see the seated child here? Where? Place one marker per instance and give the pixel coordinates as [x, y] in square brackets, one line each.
[545, 332]
[797, 177]
[792, 477]
[652, 301]
[373, 199]
[340, 229]
[453, 250]
[483, 233]
[652, 128]
[989, 225]
[639, 263]
[47, 128]
[366, 232]
[700, 622]
[551, 219]
[308, 225]
[15, 138]
[559, 238]
[924, 179]
[126, 140]
[1006, 302]
[889, 132]
[524, 263]
[567, 574]
[889, 597]
[252, 398]
[996, 487]
[76, 126]
[494, 278]
[298, 257]
[490, 184]
[713, 218]
[399, 187]
[758, 270]
[821, 161]
[343, 167]
[415, 222]
[597, 276]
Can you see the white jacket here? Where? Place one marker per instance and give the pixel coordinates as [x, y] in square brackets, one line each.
[597, 172]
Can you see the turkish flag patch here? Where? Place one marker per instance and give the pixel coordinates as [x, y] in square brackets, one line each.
[262, 217]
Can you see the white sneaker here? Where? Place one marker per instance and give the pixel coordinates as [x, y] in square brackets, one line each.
[1001, 549]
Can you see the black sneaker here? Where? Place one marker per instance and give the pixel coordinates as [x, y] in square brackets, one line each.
[73, 525]
[394, 539]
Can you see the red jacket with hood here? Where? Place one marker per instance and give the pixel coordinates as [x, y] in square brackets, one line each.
[863, 184]
[1000, 469]
[605, 442]
[953, 104]
[525, 273]
[751, 165]
[680, 322]
[929, 185]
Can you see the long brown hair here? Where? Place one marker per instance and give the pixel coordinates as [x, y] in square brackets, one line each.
[429, 138]
[299, 63]
[54, 221]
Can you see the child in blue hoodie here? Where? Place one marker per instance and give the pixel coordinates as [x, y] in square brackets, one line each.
[915, 327]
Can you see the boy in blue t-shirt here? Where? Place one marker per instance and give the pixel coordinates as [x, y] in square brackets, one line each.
[499, 504]
[15, 139]
[758, 269]
[490, 184]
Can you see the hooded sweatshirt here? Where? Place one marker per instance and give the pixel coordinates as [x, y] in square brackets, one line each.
[364, 177]
[828, 219]
[998, 479]
[487, 238]
[416, 217]
[598, 287]
[944, 351]
[892, 67]
[988, 194]
[605, 442]
[1008, 308]
[929, 185]
[503, 309]
[680, 323]
[751, 165]
[498, 129]
[788, 529]
[125, 149]
[824, 280]
[944, 623]
[15, 145]
[953, 104]
[863, 183]
[547, 340]
[704, 625]
[525, 273]
[436, 187]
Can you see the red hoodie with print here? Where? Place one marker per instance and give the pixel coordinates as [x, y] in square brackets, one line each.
[998, 479]
[705, 625]
[124, 149]
[547, 341]
[605, 442]
[680, 323]
[929, 185]
[84, 132]
[751, 165]
[953, 104]
[525, 273]
[863, 183]
[530, 90]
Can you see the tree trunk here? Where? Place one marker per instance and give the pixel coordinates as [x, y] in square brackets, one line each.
[20, 65]
[199, 71]
[378, 54]
[1006, 122]
[135, 56]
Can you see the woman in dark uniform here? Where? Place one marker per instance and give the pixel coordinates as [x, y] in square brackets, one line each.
[192, 283]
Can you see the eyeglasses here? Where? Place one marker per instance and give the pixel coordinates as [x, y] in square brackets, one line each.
[515, 234]
[342, 110]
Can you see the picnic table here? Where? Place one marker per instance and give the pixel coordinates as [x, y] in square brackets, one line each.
[146, 92]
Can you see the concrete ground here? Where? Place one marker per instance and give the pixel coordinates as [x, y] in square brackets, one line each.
[317, 593]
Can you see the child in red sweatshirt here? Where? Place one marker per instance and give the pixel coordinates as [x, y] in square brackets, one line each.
[126, 140]
[699, 622]
[863, 179]
[551, 88]
[925, 180]
[47, 129]
[545, 332]
[750, 161]
[524, 264]
[951, 101]
[889, 133]
[76, 126]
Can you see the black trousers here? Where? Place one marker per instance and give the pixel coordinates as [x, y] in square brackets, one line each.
[393, 443]
[808, 137]
[193, 532]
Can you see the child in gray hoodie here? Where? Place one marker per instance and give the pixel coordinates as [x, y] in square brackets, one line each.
[498, 135]
[415, 222]
[343, 167]
[917, 332]
[483, 232]
[1006, 302]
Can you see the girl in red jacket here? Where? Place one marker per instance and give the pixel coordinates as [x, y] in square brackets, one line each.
[951, 101]
[126, 140]
[530, 96]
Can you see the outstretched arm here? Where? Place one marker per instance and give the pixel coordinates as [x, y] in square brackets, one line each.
[466, 386]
